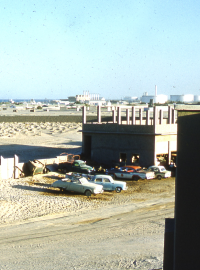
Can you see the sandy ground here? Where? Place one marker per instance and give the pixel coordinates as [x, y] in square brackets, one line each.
[44, 228]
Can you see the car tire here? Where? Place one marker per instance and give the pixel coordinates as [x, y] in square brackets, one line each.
[159, 177]
[135, 178]
[118, 189]
[88, 193]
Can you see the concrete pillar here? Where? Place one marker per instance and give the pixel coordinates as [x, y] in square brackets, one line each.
[133, 115]
[84, 114]
[155, 117]
[173, 116]
[169, 152]
[147, 117]
[161, 116]
[169, 115]
[140, 115]
[114, 116]
[127, 117]
[99, 114]
[119, 120]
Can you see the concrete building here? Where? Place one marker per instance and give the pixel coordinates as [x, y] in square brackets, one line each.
[83, 98]
[130, 135]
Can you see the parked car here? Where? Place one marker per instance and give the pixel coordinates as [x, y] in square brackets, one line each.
[78, 166]
[160, 172]
[78, 184]
[130, 173]
[108, 183]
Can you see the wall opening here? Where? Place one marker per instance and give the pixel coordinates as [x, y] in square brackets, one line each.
[135, 159]
[122, 157]
[87, 146]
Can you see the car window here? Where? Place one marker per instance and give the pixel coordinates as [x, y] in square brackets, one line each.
[106, 180]
[162, 169]
[98, 180]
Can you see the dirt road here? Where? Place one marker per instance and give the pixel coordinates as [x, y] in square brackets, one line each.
[113, 231]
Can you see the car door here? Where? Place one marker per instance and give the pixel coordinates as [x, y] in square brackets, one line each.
[125, 174]
[107, 185]
[76, 186]
[99, 181]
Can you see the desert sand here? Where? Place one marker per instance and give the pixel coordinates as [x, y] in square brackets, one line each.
[44, 228]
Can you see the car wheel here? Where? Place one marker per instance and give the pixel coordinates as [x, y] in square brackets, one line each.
[159, 177]
[118, 189]
[88, 193]
[135, 178]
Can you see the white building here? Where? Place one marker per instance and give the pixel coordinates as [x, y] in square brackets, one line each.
[98, 102]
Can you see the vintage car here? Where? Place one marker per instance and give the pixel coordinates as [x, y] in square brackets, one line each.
[108, 183]
[130, 173]
[78, 184]
[160, 172]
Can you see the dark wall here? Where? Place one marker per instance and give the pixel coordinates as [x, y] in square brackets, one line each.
[187, 202]
[106, 148]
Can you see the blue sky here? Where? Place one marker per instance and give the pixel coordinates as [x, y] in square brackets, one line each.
[55, 48]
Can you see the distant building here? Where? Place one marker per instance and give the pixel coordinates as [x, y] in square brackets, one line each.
[130, 99]
[83, 98]
[182, 98]
[98, 102]
[72, 99]
[161, 99]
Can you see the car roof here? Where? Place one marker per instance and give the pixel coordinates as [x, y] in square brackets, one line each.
[79, 161]
[102, 175]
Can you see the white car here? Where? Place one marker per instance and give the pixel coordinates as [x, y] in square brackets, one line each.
[78, 184]
[160, 172]
[108, 183]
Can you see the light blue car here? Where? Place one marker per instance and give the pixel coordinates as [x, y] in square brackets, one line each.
[108, 183]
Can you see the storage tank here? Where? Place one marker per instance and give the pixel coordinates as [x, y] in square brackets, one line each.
[197, 98]
[176, 98]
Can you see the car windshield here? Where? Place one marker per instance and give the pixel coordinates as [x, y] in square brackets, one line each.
[83, 181]
[162, 169]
